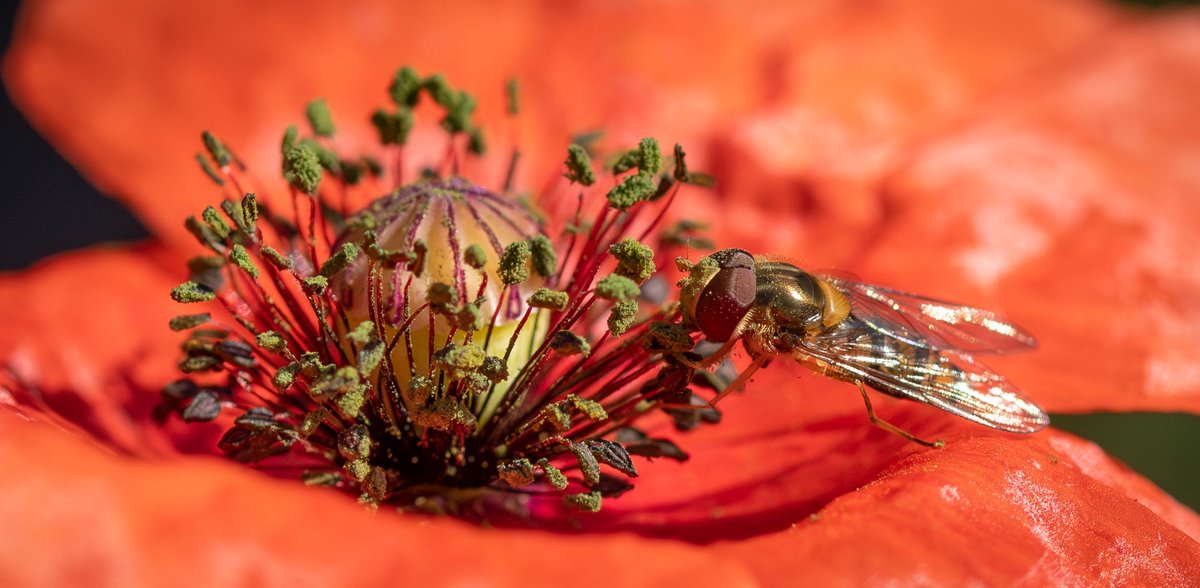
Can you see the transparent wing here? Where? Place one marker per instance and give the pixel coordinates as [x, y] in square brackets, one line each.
[946, 378]
[928, 322]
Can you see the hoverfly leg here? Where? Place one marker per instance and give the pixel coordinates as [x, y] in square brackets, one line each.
[718, 355]
[882, 424]
[741, 379]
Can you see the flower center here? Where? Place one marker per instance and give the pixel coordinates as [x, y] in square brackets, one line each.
[437, 347]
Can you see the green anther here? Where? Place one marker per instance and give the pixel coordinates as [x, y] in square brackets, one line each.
[249, 212]
[650, 156]
[588, 466]
[458, 360]
[326, 157]
[357, 469]
[441, 92]
[319, 118]
[469, 317]
[558, 415]
[547, 298]
[475, 256]
[514, 263]
[557, 480]
[216, 149]
[285, 376]
[205, 263]
[616, 287]
[494, 369]
[587, 502]
[681, 170]
[420, 388]
[441, 296]
[271, 341]
[339, 260]
[475, 384]
[516, 473]
[393, 128]
[631, 190]
[405, 88]
[312, 420]
[476, 143]
[594, 410]
[545, 260]
[208, 170]
[444, 414]
[634, 260]
[670, 337]
[579, 166]
[352, 171]
[315, 286]
[370, 356]
[701, 179]
[189, 292]
[513, 95]
[627, 161]
[311, 366]
[290, 136]
[189, 321]
[458, 112]
[622, 316]
[351, 403]
[363, 333]
[568, 343]
[241, 258]
[374, 167]
[199, 364]
[213, 219]
[276, 258]
[234, 212]
[302, 168]
[204, 234]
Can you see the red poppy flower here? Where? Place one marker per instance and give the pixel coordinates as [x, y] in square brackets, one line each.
[1032, 157]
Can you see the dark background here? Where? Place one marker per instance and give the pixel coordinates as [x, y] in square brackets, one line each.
[49, 208]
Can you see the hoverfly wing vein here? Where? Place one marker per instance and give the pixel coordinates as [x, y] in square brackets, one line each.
[944, 378]
[929, 322]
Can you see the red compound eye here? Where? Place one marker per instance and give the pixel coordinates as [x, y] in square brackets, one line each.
[728, 296]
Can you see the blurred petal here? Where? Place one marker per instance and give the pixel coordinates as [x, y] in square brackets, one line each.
[89, 331]
[76, 516]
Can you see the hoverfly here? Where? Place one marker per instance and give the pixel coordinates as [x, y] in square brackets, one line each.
[900, 344]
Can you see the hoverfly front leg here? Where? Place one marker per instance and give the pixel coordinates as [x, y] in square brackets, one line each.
[882, 424]
[742, 378]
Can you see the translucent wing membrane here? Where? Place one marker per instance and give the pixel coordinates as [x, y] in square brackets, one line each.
[930, 323]
[946, 378]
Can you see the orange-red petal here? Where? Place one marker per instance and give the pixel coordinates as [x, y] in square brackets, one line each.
[983, 510]
[74, 515]
[1071, 203]
[89, 331]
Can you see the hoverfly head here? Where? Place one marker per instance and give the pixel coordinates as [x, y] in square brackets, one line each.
[718, 292]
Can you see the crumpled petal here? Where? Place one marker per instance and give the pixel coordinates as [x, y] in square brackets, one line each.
[982, 510]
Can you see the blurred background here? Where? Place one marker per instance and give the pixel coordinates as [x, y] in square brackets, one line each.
[49, 208]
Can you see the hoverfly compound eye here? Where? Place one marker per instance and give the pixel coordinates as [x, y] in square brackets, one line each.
[728, 296]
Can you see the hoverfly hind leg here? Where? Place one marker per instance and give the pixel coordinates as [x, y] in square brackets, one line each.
[882, 424]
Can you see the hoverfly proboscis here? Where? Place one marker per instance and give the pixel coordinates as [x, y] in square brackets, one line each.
[903, 345]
